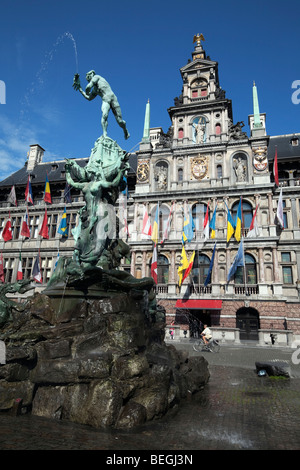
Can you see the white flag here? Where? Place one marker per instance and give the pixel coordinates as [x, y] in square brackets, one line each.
[146, 231]
[254, 231]
[279, 214]
[12, 196]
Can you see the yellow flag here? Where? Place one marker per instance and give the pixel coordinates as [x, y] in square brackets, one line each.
[184, 264]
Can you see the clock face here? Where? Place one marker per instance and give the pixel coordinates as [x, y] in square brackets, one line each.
[143, 172]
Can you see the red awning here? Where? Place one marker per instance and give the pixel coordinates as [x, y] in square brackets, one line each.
[209, 304]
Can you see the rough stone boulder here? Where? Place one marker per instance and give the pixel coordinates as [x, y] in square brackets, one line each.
[100, 361]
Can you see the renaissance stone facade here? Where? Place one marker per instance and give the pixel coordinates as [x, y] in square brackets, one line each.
[204, 159]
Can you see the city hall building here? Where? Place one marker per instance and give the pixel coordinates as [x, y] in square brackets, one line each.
[204, 169]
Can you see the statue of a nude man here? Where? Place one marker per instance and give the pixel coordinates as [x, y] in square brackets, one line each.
[99, 86]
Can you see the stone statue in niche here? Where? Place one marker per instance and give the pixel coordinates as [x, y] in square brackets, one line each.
[161, 176]
[240, 168]
[199, 130]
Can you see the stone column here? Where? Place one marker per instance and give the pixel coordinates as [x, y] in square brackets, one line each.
[132, 266]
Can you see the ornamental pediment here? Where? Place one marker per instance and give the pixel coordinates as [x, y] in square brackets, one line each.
[197, 64]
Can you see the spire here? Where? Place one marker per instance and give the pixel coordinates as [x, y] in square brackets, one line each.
[146, 135]
[257, 121]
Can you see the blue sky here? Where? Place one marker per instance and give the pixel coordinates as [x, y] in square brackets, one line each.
[138, 47]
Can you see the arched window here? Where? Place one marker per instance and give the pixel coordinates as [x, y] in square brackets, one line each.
[180, 133]
[247, 214]
[200, 269]
[180, 175]
[199, 88]
[250, 275]
[218, 129]
[162, 269]
[163, 215]
[198, 214]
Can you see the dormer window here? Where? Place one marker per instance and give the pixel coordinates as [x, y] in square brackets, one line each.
[294, 141]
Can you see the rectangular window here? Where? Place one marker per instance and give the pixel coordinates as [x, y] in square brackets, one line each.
[287, 275]
[286, 257]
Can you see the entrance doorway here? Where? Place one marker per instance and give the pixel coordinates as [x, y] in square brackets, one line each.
[247, 320]
[197, 320]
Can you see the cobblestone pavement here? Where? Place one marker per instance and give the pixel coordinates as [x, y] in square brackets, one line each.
[236, 410]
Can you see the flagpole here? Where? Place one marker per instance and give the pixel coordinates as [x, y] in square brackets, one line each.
[245, 277]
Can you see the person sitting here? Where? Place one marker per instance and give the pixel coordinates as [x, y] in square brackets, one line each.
[206, 334]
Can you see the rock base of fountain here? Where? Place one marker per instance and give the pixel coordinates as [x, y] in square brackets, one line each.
[99, 360]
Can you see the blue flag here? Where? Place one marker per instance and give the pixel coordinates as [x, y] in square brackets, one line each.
[239, 260]
[188, 227]
[63, 227]
[208, 277]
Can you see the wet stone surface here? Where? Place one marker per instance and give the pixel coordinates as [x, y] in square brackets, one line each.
[237, 410]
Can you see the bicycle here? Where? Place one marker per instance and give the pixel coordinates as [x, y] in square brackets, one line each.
[212, 345]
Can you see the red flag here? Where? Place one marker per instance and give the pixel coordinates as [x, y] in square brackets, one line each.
[28, 192]
[20, 272]
[206, 223]
[146, 230]
[44, 228]
[275, 169]
[6, 234]
[189, 268]
[154, 265]
[2, 277]
[25, 232]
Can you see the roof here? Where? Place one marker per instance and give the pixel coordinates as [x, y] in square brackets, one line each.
[285, 149]
[54, 170]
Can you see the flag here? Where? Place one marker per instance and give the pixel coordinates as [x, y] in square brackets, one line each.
[44, 228]
[56, 262]
[189, 268]
[2, 276]
[253, 229]
[6, 233]
[206, 223]
[12, 196]
[275, 169]
[230, 225]
[188, 227]
[28, 192]
[155, 230]
[238, 222]
[36, 270]
[25, 232]
[212, 224]
[208, 277]
[279, 215]
[167, 229]
[67, 193]
[20, 272]
[47, 193]
[239, 260]
[125, 190]
[154, 264]
[146, 230]
[63, 227]
[183, 265]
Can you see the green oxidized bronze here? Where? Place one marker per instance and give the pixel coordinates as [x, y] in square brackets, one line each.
[98, 250]
[7, 306]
